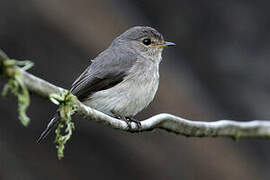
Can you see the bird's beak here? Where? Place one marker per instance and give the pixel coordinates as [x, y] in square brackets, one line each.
[166, 44]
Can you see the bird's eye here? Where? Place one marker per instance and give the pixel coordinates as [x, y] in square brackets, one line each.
[147, 42]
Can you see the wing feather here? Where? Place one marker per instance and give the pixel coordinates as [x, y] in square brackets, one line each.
[106, 70]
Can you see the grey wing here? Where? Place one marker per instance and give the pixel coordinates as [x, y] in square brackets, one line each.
[106, 70]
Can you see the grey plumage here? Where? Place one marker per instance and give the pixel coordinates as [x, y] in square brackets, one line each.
[123, 79]
[132, 94]
[107, 69]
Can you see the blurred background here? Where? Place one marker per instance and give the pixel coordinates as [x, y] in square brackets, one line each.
[218, 70]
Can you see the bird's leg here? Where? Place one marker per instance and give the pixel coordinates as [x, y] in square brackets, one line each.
[132, 119]
[122, 118]
[128, 120]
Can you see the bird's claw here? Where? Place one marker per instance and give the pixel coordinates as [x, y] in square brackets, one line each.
[129, 120]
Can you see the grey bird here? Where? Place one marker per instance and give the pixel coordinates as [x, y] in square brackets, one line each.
[123, 79]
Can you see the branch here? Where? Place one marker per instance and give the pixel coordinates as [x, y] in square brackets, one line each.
[178, 125]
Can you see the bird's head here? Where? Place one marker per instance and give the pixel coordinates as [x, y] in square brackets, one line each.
[145, 41]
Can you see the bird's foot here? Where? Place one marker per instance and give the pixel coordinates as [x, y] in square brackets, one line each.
[128, 120]
[132, 119]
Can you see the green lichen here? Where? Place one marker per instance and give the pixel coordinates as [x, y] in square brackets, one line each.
[16, 86]
[66, 109]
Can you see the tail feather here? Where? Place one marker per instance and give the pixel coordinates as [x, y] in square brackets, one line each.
[49, 128]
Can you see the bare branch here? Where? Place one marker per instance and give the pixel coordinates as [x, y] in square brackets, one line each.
[222, 128]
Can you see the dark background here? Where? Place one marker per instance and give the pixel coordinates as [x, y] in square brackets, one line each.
[218, 70]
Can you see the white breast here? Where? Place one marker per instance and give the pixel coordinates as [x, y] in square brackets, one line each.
[132, 95]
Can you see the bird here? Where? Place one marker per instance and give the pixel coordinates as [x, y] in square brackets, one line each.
[123, 79]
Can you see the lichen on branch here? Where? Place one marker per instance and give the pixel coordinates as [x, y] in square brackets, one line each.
[16, 86]
[67, 107]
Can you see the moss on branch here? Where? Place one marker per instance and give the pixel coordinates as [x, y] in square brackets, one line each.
[67, 107]
[15, 84]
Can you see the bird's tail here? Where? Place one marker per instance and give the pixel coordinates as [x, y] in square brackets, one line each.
[49, 127]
